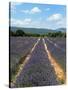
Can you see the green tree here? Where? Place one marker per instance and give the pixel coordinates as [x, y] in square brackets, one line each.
[20, 33]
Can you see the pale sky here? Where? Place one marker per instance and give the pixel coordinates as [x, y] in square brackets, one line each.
[38, 15]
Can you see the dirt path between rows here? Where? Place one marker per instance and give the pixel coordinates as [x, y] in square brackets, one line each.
[57, 68]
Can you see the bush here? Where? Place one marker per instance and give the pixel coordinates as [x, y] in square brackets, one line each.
[20, 33]
[56, 34]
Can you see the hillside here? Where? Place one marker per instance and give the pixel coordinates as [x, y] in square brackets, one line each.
[37, 30]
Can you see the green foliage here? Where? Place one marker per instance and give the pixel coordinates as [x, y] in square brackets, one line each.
[20, 33]
[56, 34]
[49, 34]
[33, 35]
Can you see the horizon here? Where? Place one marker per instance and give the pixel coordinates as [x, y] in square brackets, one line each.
[32, 15]
[38, 27]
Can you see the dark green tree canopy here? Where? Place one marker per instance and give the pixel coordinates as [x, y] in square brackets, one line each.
[20, 33]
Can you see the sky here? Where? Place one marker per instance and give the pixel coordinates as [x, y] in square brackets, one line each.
[32, 15]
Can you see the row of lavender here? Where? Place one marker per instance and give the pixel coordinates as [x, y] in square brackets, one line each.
[57, 46]
[19, 48]
[38, 71]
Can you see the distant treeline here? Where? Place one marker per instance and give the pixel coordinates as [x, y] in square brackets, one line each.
[49, 34]
[56, 34]
[22, 33]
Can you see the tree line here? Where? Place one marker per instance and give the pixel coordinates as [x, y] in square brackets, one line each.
[22, 33]
[49, 34]
[56, 34]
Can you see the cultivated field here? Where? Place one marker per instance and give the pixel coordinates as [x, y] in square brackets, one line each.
[57, 47]
[19, 48]
[36, 61]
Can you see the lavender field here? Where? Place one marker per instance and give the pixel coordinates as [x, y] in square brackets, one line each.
[19, 48]
[57, 46]
[36, 61]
